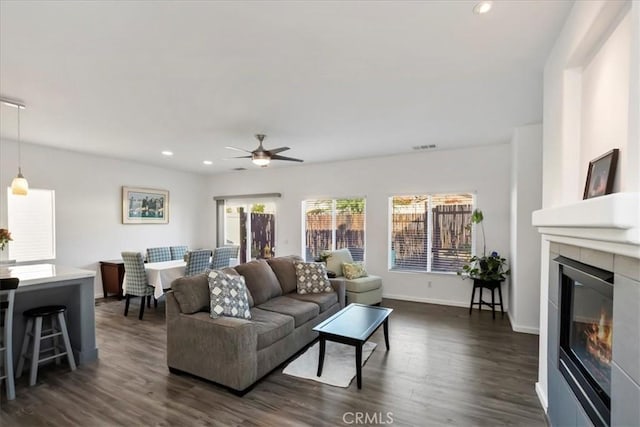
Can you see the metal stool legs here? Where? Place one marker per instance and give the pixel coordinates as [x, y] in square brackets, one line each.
[36, 334]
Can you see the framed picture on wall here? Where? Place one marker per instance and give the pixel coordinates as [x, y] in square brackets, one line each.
[601, 173]
[144, 206]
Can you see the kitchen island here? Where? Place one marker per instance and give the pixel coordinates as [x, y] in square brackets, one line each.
[50, 284]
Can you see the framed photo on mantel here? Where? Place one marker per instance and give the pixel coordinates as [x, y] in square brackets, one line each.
[144, 206]
[601, 174]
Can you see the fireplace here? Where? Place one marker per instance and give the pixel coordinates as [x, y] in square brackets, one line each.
[586, 334]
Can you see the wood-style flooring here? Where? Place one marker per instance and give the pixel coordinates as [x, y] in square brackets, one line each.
[444, 368]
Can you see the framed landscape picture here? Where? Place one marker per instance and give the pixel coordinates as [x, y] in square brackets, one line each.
[600, 175]
[144, 206]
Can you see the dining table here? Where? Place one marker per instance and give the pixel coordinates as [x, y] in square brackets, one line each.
[160, 275]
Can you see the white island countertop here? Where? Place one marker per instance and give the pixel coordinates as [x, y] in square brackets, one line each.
[35, 274]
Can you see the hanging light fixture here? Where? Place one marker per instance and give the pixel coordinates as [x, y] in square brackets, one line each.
[19, 185]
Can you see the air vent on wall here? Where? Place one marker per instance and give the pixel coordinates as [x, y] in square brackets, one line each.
[424, 147]
[239, 169]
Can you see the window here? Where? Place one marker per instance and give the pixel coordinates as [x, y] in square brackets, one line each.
[332, 224]
[252, 226]
[31, 221]
[430, 232]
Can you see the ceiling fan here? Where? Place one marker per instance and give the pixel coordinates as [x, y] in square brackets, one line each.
[262, 157]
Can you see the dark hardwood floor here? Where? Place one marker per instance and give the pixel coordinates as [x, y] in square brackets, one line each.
[444, 368]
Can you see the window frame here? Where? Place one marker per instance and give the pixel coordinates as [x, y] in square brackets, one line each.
[10, 224]
[429, 233]
[334, 221]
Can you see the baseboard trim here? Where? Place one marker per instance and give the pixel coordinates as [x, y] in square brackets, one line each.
[426, 300]
[523, 329]
[542, 397]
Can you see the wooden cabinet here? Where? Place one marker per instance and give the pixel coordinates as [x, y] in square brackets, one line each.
[112, 277]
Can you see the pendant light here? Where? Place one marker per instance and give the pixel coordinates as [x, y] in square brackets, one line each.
[19, 185]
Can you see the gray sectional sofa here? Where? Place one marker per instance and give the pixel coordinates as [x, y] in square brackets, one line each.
[237, 352]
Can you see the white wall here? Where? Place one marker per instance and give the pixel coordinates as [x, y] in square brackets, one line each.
[605, 103]
[526, 197]
[597, 36]
[483, 170]
[89, 205]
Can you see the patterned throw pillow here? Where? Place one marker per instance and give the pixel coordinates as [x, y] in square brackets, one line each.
[312, 278]
[228, 295]
[353, 270]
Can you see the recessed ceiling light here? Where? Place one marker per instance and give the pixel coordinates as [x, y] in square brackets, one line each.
[482, 7]
[167, 153]
[207, 162]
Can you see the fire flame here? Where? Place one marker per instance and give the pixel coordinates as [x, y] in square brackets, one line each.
[599, 339]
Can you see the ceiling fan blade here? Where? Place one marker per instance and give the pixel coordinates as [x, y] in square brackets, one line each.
[278, 150]
[238, 149]
[291, 159]
[241, 157]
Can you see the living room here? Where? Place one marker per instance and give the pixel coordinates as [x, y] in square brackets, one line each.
[486, 144]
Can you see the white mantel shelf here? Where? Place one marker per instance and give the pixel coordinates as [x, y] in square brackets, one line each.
[608, 223]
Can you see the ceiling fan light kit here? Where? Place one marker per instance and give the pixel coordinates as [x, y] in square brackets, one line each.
[262, 157]
[19, 185]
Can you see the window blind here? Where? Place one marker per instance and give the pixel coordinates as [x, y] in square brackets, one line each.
[429, 232]
[334, 224]
[31, 221]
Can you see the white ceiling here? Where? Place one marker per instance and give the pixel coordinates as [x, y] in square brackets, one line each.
[331, 80]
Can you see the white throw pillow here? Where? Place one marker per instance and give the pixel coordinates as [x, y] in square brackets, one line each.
[228, 295]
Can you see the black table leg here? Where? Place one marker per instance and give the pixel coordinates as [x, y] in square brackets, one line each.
[473, 294]
[500, 295]
[493, 303]
[321, 356]
[359, 364]
[385, 326]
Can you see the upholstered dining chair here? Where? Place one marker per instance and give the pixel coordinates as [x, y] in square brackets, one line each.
[158, 254]
[137, 283]
[197, 262]
[7, 295]
[222, 255]
[178, 252]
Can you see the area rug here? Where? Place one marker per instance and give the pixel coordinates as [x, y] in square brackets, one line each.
[339, 363]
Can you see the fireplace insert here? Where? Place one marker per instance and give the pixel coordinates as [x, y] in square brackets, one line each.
[586, 333]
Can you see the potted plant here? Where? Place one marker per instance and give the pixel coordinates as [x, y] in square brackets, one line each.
[492, 268]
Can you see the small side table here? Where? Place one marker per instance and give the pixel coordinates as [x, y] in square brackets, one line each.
[112, 277]
[491, 285]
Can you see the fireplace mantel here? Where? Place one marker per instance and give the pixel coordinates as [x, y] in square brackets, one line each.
[608, 223]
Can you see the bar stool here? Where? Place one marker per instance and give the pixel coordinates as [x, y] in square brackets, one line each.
[58, 327]
[7, 295]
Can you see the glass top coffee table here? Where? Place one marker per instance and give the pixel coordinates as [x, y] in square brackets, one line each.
[353, 325]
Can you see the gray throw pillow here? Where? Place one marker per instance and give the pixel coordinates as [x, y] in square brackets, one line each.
[312, 278]
[228, 295]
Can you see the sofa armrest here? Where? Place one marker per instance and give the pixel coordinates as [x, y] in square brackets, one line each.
[340, 287]
[222, 350]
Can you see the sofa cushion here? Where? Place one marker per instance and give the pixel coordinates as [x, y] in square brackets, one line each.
[353, 270]
[312, 278]
[271, 326]
[192, 293]
[260, 280]
[228, 295]
[363, 284]
[301, 311]
[232, 272]
[324, 300]
[337, 258]
[285, 271]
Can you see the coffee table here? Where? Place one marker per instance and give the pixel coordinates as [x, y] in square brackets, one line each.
[353, 325]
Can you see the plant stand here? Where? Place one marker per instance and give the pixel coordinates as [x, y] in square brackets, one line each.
[489, 284]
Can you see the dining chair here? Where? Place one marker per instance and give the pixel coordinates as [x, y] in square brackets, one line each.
[158, 254]
[8, 288]
[222, 255]
[197, 262]
[137, 283]
[178, 252]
